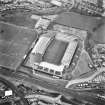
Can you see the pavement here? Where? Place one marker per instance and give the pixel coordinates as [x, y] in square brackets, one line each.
[68, 93]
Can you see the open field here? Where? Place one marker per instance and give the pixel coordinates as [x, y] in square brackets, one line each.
[14, 44]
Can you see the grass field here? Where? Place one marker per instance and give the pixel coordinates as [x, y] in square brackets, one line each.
[20, 19]
[55, 52]
[14, 44]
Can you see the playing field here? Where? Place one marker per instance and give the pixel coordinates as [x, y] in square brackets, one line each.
[18, 18]
[14, 44]
[55, 52]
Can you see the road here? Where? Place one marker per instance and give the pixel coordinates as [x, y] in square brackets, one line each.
[14, 89]
[73, 20]
[85, 79]
[38, 82]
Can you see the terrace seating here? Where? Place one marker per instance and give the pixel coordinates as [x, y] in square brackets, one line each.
[41, 45]
[69, 53]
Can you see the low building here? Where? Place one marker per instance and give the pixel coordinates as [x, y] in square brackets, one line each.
[88, 7]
